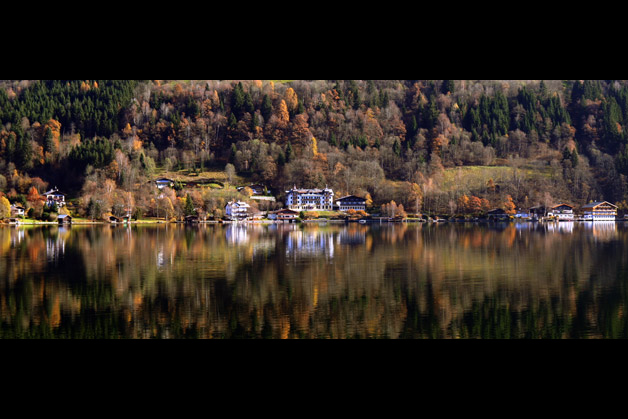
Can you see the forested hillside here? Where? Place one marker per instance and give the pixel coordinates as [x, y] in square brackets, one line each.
[436, 146]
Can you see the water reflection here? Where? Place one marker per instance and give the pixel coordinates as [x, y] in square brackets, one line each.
[522, 280]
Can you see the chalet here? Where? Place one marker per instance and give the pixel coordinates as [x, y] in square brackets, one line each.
[115, 220]
[283, 214]
[563, 212]
[497, 214]
[599, 211]
[351, 202]
[310, 199]
[64, 219]
[237, 210]
[17, 211]
[53, 197]
[163, 182]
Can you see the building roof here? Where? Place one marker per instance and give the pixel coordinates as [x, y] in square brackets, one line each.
[352, 198]
[597, 204]
[314, 190]
[238, 204]
[562, 205]
[63, 216]
[284, 211]
[497, 211]
[54, 191]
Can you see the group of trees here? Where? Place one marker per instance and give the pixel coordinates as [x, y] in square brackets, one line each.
[396, 140]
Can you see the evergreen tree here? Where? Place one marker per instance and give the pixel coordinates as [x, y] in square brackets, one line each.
[189, 206]
[267, 108]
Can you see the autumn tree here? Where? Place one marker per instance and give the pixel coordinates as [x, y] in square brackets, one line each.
[5, 208]
[509, 205]
[416, 197]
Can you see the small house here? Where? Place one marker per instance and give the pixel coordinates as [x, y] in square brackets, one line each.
[53, 197]
[192, 219]
[537, 212]
[563, 212]
[17, 210]
[283, 214]
[497, 214]
[64, 219]
[115, 220]
[163, 182]
[237, 210]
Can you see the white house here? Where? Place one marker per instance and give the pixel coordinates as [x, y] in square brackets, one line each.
[237, 210]
[310, 199]
[53, 196]
[563, 212]
[17, 210]
[283, 214]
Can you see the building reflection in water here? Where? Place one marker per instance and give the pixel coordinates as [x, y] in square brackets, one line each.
[310, 243]
[55, 243]
[601, 230]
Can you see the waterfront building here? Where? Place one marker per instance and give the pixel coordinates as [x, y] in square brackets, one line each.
[537, 212]
[17, 210]
[53, 197]
[599, 211]
[310, 199]
[283, 214]
[237, 210]
[563, 212]
[497, 214]
[351, 202]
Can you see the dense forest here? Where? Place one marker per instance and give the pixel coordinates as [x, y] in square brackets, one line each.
[433, 146]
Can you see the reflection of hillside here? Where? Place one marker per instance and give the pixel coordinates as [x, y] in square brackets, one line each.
[311, 281]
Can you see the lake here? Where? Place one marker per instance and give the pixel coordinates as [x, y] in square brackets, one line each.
[309, 281]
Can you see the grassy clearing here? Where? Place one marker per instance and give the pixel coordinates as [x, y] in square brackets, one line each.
[475, 178]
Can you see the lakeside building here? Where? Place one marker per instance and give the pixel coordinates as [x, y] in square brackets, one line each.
[310, 199]
[283, 214]
[17, 210]
[497, 214]
[563, 212]
[351, 202]
[237, 210]
[53, 197]
[599, 211]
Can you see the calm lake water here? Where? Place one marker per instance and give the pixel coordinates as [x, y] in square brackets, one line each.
[396, 281]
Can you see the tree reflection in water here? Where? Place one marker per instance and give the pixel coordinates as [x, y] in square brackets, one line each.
[529, 280]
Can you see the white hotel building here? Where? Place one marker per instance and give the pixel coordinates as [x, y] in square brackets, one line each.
[310, 199]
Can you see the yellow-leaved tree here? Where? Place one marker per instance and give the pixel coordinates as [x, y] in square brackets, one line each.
[5, 208]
